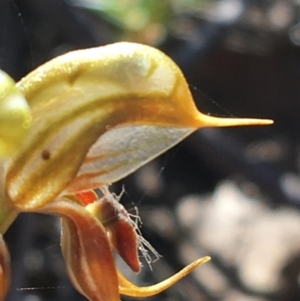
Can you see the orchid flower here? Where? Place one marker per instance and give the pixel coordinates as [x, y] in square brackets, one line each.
[91, 117]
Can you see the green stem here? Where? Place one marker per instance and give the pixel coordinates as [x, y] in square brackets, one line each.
[7, 214]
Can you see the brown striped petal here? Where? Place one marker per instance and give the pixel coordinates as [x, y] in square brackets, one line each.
[98, 115]
[87, 252]
[5, 273]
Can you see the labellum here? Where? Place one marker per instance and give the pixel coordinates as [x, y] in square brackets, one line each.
[120, 227]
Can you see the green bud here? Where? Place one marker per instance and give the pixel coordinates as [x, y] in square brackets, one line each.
[15, 116]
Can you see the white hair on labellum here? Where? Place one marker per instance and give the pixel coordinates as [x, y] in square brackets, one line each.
[145, 248]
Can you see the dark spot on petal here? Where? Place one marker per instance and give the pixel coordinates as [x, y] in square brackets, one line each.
[46, 154]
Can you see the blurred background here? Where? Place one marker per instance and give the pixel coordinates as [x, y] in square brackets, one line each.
[232, 194]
